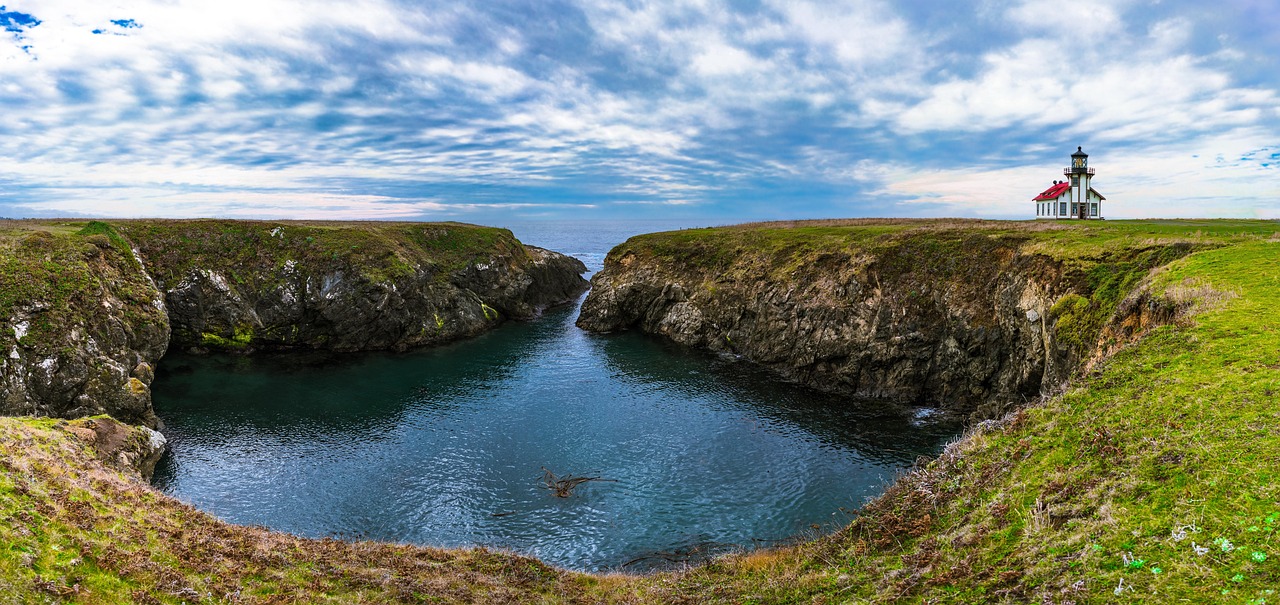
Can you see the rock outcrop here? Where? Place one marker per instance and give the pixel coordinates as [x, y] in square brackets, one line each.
[967, 319]
[133, 450]
[255, 286]
[81, 326]
[86, 311]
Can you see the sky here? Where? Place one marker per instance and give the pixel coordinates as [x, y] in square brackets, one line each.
[563, 109]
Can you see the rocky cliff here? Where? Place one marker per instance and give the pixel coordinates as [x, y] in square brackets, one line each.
[80, 324]
[87, 309]
[235, 284]
[968, 316]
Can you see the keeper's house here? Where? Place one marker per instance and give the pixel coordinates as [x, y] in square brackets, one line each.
[1072, 198]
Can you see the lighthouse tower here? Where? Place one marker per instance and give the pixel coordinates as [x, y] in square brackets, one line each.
[1080, 174]
[1074, 198]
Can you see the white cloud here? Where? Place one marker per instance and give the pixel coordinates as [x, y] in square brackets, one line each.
[718, 59]
[487, 78]
[857, 32]
[1086, 23]
[1114, 89]
[1024, 83]
[177, 203]
[1203, 179]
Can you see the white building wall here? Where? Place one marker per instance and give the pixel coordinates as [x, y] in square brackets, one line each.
[1054, 209]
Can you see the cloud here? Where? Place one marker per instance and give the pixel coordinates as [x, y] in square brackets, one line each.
[856, 32]
[390, 108]
[1078, 72]
[1234, 174]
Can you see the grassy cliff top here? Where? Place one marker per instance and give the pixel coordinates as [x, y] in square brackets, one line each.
[1101, 262]
[187, 242]
[48, 270]
[379, 250]
[1060, 240]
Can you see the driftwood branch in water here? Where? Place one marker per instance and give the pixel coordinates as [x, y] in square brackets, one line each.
[563, 485]
[687, 554]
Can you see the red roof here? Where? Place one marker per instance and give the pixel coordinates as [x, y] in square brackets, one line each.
[1053, 192]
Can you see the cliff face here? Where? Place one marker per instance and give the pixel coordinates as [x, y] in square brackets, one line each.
[234, 284]
[81, 325]
[87, 310]
[968, 319]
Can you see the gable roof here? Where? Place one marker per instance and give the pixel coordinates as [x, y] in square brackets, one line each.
[1053, 192]
[1058, 190]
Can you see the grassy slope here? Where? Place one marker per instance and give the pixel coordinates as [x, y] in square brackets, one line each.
[1175, 435]
[73, 529]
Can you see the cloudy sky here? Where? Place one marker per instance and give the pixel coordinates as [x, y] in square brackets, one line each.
[734, 110]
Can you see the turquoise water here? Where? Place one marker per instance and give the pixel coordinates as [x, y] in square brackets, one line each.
[447, 447]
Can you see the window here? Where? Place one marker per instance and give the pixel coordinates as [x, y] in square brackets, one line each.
[1093, 209]
[1062, 208]
[1075, 181]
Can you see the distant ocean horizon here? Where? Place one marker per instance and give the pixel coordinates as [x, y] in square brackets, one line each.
[590, 240]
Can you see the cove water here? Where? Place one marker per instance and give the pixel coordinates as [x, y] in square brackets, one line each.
[697, 453]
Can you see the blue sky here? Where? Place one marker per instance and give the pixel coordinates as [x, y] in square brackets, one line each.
[724, 111]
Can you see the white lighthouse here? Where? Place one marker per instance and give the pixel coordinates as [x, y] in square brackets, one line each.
[1074, 198]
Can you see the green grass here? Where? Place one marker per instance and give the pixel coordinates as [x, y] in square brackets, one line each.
[108, 234]
[251, 251]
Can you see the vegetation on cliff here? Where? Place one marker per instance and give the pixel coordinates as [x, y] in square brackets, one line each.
[253, 250]
[1152, 478]
[80, 323]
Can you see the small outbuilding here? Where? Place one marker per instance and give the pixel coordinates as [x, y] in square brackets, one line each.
[1072, 198]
